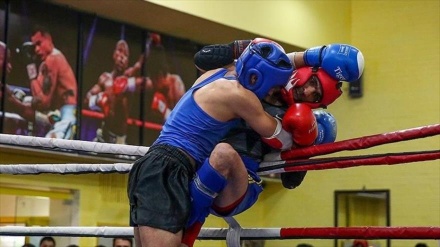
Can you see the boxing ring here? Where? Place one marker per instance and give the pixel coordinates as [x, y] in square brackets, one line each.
[287, 161]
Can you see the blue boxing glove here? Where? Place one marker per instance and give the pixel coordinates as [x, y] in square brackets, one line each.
[327, 128]
[342, 62]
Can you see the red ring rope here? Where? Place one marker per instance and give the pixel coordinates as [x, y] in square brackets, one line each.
[362, 232]
[130, 121]
[362, 142]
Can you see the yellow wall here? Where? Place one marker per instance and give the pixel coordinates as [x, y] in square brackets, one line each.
[102, 197]
[301, 23]
[400, 42]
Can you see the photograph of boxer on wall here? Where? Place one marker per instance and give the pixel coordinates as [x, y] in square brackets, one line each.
[3, 58]
[41, 87]
[121, 90]
[112, 82]
[170, 71]
[129, 82]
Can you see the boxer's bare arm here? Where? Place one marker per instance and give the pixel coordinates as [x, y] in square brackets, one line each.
[225, 100]
[248, 107]
[297, 59]
[43, 87]
[136, 67]
[99, 86]
[141, 80]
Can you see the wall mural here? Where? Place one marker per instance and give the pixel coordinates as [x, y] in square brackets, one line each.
[72, 75]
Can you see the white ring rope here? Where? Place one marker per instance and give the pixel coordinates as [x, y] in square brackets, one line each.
[67, 231]
[53, 143]
[106, 231]
[244, 233]
[23, 169]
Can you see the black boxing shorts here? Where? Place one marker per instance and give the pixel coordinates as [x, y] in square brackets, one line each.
[158, 189]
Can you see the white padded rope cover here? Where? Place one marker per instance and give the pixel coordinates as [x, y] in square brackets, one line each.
[107, 231]
[53, 143]
[65, 168]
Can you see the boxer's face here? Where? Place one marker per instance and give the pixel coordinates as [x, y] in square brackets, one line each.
[311, 91]
[43, 45]
[120, 56]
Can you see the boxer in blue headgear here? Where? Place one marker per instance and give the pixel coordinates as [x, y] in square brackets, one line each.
[183, 166]
[262, 66]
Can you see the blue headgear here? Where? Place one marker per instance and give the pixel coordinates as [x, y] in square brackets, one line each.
[268, 62]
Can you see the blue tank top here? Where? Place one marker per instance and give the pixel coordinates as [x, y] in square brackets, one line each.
[191, 129]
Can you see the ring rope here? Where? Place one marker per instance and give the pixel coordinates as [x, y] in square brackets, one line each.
[26, 169]
[346, 162]
[275, 165]
[245, 233]
[362, 142]
[95, 147]
[130, 121]
[108, 148]
[265, 167]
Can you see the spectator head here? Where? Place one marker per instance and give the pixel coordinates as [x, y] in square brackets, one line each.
[122, 242]
[421, 245]
[47, 242]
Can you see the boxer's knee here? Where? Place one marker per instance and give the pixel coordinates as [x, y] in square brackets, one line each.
[224, 158]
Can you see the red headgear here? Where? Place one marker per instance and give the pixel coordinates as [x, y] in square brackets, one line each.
[330, 88]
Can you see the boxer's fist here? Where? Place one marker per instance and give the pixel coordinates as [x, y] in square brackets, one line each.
[155, 38]
[327, 128]
[122, 84]
[341, 61]
[100, 102]
[238, 46]
[298, 126]
[291, 180]
[217, 56]
[27, 51]
[19, 94]
[160, 104]
[300, 121]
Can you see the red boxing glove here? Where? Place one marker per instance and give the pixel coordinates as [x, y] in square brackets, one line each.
[301, 122]
[160, 104]
[100, 102]
[120, 84]
[155, 38]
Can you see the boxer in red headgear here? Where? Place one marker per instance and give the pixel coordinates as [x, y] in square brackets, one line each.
[312, 86]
